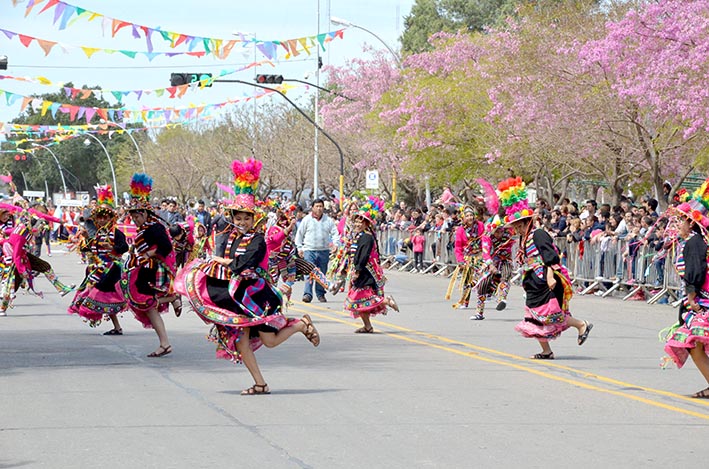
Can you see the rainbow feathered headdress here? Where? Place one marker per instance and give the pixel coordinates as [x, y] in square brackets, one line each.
[141, 185]
[105, 202]
[513, 197]
[246, 178]
[371, 209]
[697, 206]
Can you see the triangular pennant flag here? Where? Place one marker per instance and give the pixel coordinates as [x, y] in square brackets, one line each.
[90, 112]
[304, 44]
[67, 12]
[45, 106]
[9, 34]
[180, 39]
[103, 114]
[117, 25]
[73, 110]
[136, 34]
[117, 94]
[268, 49]
[148, 32]
[46, 46]
[293, 45]
[55, 107]
[86, 94]
[49, 5]
[321, 39]
[25, 40]
[89, 51]
[25, 101]
[129, 53]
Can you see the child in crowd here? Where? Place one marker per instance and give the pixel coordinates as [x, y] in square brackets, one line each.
[418, 241]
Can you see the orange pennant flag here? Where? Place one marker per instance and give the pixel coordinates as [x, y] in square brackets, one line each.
[25, 101]
[85, 94]
[46, 46]
[293, 43]
[117, 25]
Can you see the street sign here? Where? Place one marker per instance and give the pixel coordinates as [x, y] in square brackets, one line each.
[70, 203]
[372, 179]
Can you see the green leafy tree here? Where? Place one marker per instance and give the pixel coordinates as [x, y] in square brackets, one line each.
[84, 165]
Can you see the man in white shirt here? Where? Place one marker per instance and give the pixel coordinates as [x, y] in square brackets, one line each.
[316, 237]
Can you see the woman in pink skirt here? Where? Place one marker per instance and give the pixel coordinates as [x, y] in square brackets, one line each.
[545, 281]
[147, 277]
[99, 295]
[235, 293]
[365, 297]
[690, 337]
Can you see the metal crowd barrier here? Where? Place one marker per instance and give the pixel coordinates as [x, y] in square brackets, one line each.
[604, 267]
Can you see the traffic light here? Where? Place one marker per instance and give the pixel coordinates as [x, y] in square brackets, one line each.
[177, 79]
[269, 79]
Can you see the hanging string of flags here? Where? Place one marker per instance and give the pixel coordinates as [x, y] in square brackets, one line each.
[173, 91]
[47, 46]
[118, 114]
[60, 132]
[67, 15]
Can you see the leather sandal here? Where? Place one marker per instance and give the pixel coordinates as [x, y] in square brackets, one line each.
[392, 303]
[310, 332]
[584, 336]
[177, 306]
[114, 332]
[703, 394]
[364, 330]
[544, 356]
[256, 389]
[161, 352]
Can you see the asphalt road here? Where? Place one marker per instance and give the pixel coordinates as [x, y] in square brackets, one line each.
[429, 389]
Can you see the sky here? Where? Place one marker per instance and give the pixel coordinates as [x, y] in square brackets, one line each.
[270, 20]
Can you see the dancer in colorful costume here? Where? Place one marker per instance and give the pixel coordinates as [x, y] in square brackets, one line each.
[468, 255]
[182, 241]
[365, 297]
[235, 293]
[497, 245]
[339, 267]
[202, 246]
[99, 295]
[147, 277]
[545, 281]
[690, 337]
[281, 250]
[21, 264]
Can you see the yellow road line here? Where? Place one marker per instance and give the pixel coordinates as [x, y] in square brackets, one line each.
[477, 356]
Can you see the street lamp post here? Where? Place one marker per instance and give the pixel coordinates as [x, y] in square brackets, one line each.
[304, 114]
[110, 163]
[349, 24]
[59, 166]
[137, 148]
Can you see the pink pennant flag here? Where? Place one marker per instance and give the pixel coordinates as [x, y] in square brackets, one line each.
[25, 40]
